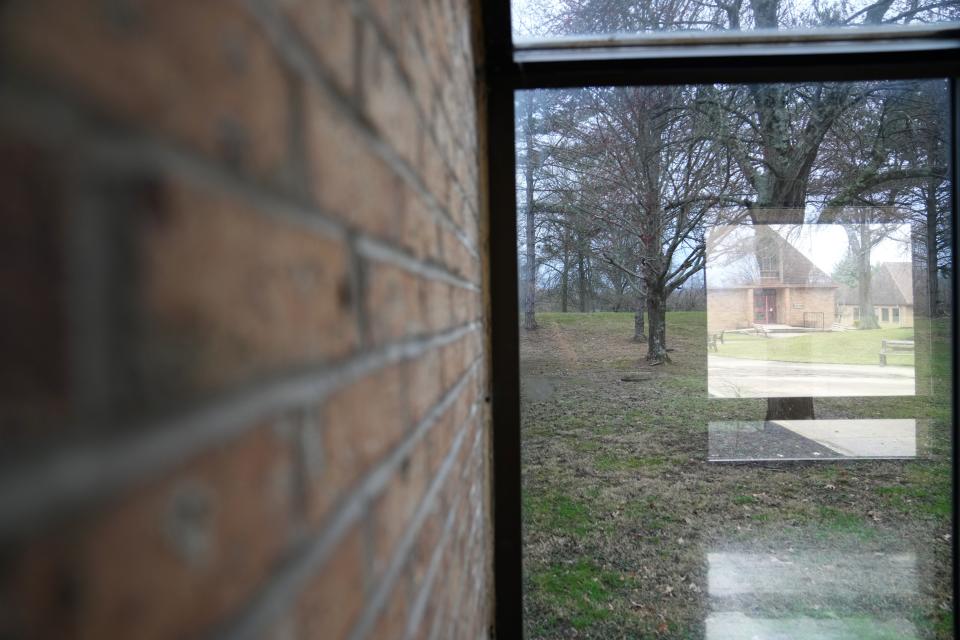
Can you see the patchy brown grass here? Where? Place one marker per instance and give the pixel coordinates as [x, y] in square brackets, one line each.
[621, 507]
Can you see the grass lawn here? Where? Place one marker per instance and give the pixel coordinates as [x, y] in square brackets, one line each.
[833, 347]
[622, 513]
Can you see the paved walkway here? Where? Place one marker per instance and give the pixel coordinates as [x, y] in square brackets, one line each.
[864, 438]
[812, 439]
[743, 378]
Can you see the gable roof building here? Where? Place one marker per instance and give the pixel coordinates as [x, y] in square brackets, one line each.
[891, 285]
[891, 293]
[757, 277]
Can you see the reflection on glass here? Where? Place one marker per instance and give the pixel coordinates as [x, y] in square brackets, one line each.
[694, 289]
[788, 307]
[544, 18]
[812, 439]
[810, 595]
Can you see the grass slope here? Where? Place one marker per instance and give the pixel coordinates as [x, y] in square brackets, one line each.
[620, 509]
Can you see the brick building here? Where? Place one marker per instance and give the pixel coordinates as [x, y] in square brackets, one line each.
[891, 293]
[756, 276]
[245, 363]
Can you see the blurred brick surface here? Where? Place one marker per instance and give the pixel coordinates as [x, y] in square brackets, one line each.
[397, 299]
[242, 292]
[32, 290]
[358, 426]
[198, 71]
[166, 560]
[230, 293]
[205, 530]
[334, 599]
[330, 31]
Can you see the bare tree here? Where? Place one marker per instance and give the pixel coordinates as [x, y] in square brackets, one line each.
[645, 170]
[527, 122]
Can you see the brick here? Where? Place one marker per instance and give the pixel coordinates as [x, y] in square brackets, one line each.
[393, 619]
[348, 179]
[465, 303]
[230, 293]
[426, 545]
[331, 604]
[434, 172]
[39, 591]
[453, 361]
[329, 28]
[395, 300]
[388, 102]
[453, 252]
[439, 311]
[440, 438]
[359, 425]
[412, 59]
[424, 384]
[461, 408]
[394, 509]
[34, 367]
[169, 559]
[285, 628]
[428, 30]
[208, 292]
[419, 230]
[456, 206]
[201, 72]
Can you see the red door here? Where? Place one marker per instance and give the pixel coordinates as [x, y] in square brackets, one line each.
[765, 306]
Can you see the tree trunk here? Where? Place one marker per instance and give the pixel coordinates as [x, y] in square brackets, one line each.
[529, 298]
[591, 298]
[868, 318]
[565, 274]
[657, 319]
[564, 284]
[530, 289]
[784, 204]
[789, 409]
[641, 303]
[581, 283]
[638, 334]
[933, 284]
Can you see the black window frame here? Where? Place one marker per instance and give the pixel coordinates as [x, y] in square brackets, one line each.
[504, 69]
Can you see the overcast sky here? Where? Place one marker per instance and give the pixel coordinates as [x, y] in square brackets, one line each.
[823, 244]
[826, 244]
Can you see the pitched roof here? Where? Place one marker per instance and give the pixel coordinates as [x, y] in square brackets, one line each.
[735, 260]
[892, 284]
[798, 269]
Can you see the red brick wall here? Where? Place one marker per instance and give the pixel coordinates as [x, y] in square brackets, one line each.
[243, 368]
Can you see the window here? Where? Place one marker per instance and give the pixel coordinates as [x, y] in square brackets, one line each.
[617, 509]
[768, 262]
[544, 18]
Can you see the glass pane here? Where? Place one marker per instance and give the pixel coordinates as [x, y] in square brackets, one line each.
[551, 18]
[735, 361]
[780, 301]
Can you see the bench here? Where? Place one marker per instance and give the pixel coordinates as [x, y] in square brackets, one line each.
[894, 347]
[713, 340]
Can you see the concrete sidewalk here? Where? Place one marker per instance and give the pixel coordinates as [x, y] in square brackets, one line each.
[743, 378]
